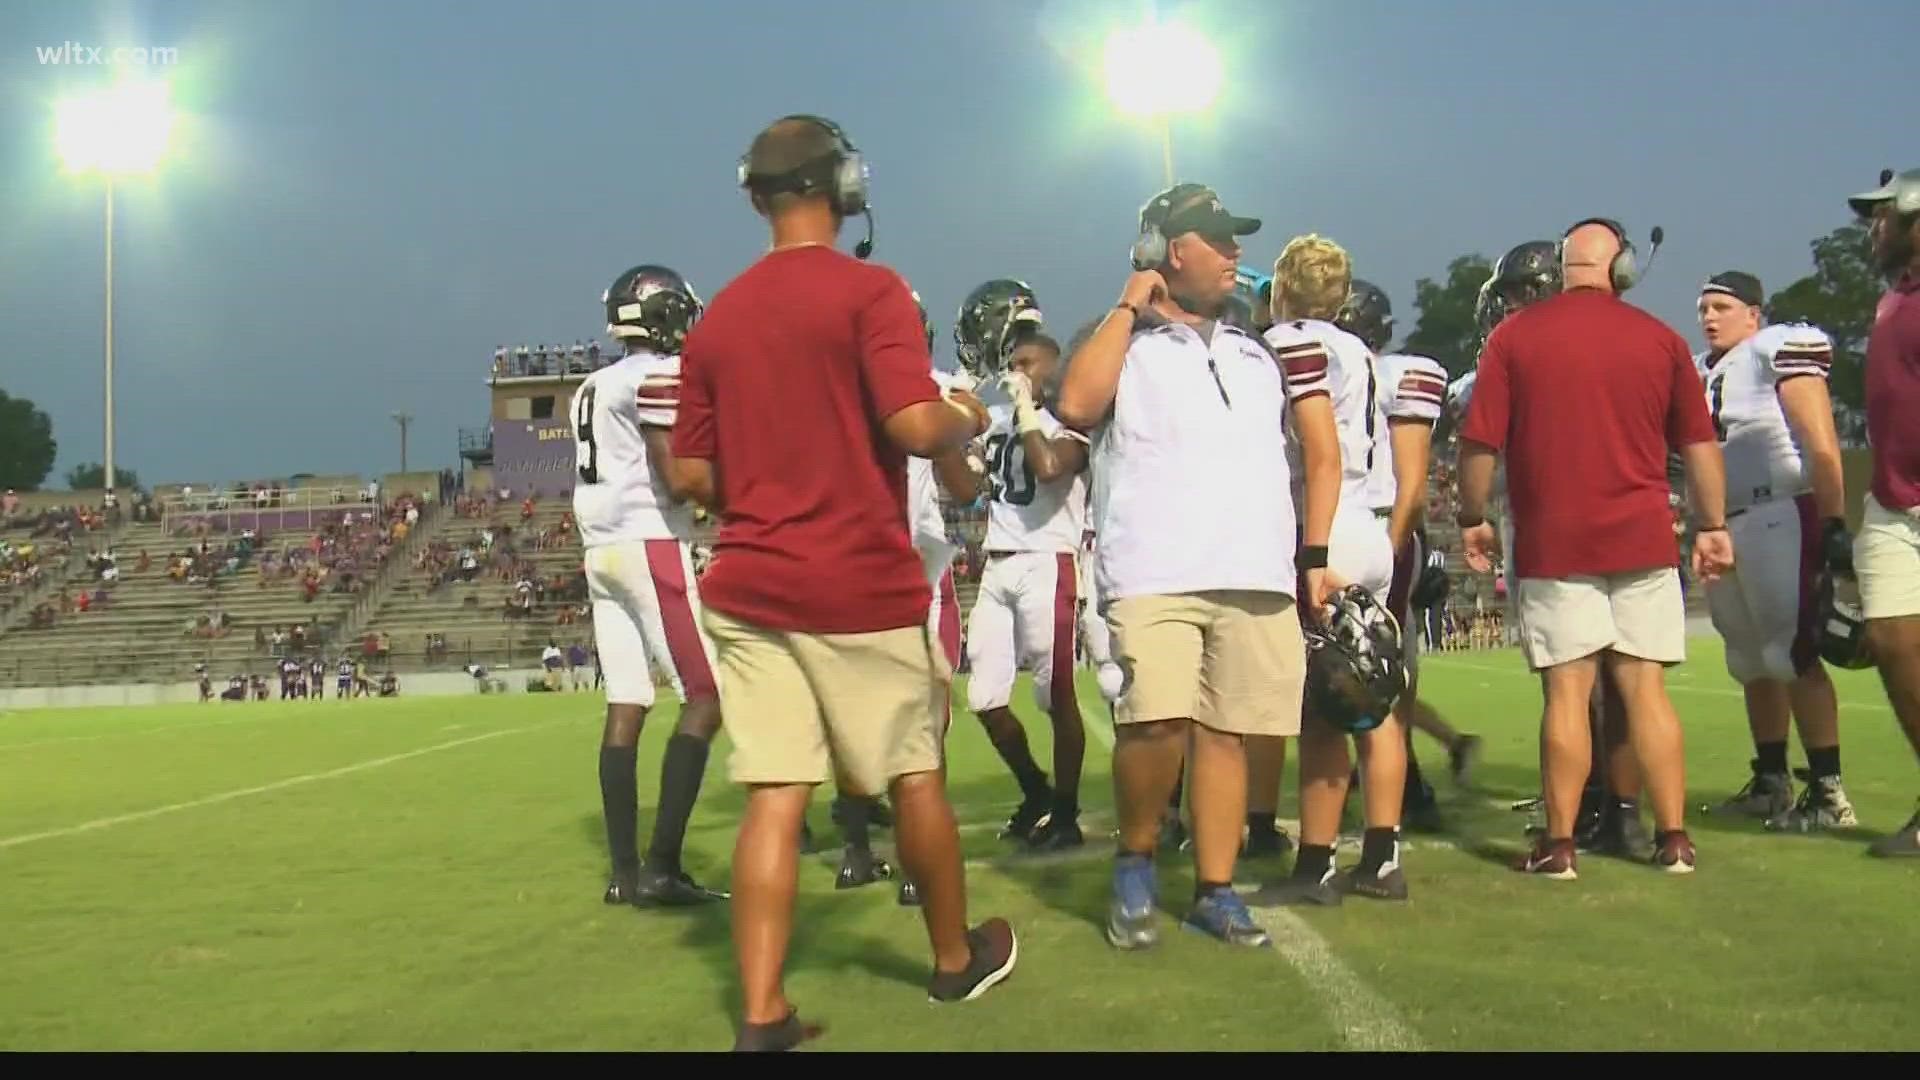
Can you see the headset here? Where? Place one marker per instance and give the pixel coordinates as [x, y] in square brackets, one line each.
[1623, 272]
[849, 180]
[1149, 251]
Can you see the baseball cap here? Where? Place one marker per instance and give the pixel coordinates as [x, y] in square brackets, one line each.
[1738, 284]
[1903, 191]
[1185, 208]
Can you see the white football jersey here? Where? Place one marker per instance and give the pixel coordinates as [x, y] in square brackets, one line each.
[925, 521]
[1763, 460]
[1352, 380]
[1415, 389]
[616, 497]
[1023, 513]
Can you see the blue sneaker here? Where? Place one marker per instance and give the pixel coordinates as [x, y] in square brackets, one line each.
[1130, 921]
[1224, 915]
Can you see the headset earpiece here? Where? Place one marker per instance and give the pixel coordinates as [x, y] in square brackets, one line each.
[1623, 272]
[1149, 250]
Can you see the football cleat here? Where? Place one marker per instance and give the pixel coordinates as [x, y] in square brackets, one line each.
[1388, 882]
[1766, 795]
[1822, 804]
[1294, 891]
[861, 867]
[621, 889]
[1903, 842]
[1027, 817]
[1056, 834]
[1266, 843]
[909, 894]
[657, 888]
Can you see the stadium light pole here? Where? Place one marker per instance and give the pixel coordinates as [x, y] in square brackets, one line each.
[403, 419]
[118, 131]
[1137, 62]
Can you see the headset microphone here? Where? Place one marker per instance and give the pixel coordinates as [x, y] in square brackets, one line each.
[1659, 234]
[865, 247]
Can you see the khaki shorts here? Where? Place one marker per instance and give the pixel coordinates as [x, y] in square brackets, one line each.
[799, 708]
[1641, 613]
[1886, 559]
[1233, 661]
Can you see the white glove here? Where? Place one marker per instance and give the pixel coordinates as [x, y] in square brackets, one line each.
[1018, 387]
[1026, 415]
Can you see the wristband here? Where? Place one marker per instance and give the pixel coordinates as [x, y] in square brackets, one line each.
[1129, 309]
[1463, 521]
[1311, 557]
[1710, 528]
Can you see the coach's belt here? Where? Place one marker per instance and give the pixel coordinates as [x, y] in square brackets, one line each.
[1383, 513]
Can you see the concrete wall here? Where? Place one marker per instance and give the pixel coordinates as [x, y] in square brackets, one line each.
[434, 684]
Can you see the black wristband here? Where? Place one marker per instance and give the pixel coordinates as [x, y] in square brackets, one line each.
[1710, 528]
[1128, 308]
[1311, 557]
[1462, 521]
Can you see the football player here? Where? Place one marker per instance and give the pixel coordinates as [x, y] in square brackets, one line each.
[1766, 389]
[1312, 280]
[930, 482]
[1024, 616]
[640, 579]
[1414, 389]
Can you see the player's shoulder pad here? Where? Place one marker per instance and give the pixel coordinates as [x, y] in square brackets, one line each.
[1795, 349]
[1303, 357]
[1419, 386]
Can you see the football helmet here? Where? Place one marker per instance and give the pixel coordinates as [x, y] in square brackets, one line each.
[1367, 314]
[653, 305]
[993, 320]
[1843, 625]
[1489, 307]
[1355, 669]
[1528, 273]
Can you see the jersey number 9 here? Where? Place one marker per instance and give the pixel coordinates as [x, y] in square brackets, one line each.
[585, 451]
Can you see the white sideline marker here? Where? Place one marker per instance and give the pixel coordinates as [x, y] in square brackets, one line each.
[1364, 1019]
[228, 796]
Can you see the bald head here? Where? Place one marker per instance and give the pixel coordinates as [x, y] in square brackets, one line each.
[1587, 257]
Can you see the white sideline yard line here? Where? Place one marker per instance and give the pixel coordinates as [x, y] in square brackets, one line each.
[241, 793]
[1708, 691]
[1364, 1018]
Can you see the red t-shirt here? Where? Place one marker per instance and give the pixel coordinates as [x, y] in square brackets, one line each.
[784, 383]
[1893, 396]
[1586, 394]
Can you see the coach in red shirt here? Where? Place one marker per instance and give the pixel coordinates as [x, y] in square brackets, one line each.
[804, 388]
[1886, 555]
[1584, 395]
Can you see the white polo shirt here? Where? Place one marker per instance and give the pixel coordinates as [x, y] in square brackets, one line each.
[1194, 489]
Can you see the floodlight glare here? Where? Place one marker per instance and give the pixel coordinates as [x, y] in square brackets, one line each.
[120, 130]
[1156, 70]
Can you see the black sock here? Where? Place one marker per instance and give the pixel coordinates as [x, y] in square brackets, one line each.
[1379, 847]
[1065, 807]
[1772, 757]
[853, 815]
[618, 804]
[1260, 821]
[1019, 758]
[1179, 789]
[680, 773]
[1825, 761]
[1313, 862]
[1204, 889]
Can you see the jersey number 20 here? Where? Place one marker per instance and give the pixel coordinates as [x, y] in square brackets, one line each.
[1008, 471]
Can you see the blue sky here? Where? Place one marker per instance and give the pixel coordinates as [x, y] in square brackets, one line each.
[366, 197]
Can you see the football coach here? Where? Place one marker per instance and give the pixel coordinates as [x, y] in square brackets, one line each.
[1584, 395]
[1197, 565]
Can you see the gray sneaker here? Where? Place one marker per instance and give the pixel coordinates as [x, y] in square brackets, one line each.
[1904, 842]
[1822, 805]
[1224, 916]
[1766, 795]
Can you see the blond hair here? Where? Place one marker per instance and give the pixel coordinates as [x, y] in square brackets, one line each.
[1311, 278]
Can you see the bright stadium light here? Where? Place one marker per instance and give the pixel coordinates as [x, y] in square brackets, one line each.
[1157, 70]
[1161, 69]
[119, 131]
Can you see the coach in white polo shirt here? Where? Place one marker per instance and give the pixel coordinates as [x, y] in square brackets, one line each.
[1197, 564]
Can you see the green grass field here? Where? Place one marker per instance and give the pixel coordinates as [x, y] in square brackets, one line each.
[427, 874]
